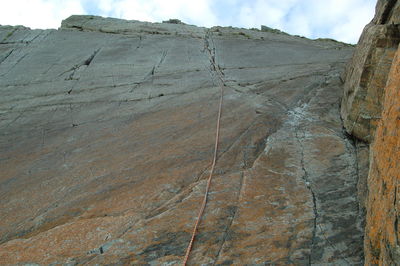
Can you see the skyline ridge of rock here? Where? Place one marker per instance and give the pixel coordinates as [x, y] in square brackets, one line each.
[120, 21]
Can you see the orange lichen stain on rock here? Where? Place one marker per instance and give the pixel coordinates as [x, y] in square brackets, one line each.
[382, 230]
[76, 239]
[141, 183]
[274, 214]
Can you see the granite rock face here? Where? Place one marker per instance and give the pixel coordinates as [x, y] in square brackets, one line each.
[107, 131]
[366, 75]
[370, 110]
[382, 234]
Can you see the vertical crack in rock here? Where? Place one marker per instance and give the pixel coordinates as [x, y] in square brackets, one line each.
[357, 145]
[140, 42]
[306, 179]
[16, 63]
[353, 141]
[318, 198]
[8, 54]
[214, 67]
[308, 184]
[211, 51]
[86, 63]
[162, 58]
[77, 67]
[149, 77]
[91, 57]
[361, 166]
[231, 219]
[33, 39]
[360, 205]
[388, 10]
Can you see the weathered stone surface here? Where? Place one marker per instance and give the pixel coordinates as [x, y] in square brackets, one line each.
[387, 12]
[362, 150]
[372, 84]
[366, 74]
[106, 142]
[382, 231]
[129, 27]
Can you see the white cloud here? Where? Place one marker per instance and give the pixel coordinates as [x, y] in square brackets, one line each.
[196, 12]
[298, 24]
[38, 13]
[338, 19]
[350, 28]
[252, 14]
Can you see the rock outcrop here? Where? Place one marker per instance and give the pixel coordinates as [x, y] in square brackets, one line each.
[107, 130]
[366, 75]
[371, 99]
[383, 208]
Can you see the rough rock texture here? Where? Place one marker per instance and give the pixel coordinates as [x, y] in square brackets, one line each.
[107, 129]
[372, 83]
[366, 75]
[382, 234]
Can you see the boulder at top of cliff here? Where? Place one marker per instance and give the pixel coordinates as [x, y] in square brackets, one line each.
[107, 133]
[129, 27]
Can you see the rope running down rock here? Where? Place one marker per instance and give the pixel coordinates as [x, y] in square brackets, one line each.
[203, 205]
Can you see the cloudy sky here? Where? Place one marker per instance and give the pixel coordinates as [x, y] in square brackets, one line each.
[338, 19]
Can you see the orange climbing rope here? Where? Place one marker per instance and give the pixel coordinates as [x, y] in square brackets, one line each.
[203, 205]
